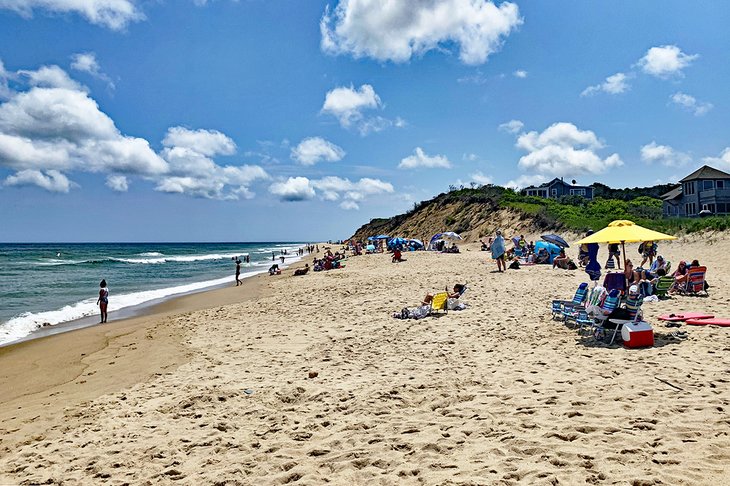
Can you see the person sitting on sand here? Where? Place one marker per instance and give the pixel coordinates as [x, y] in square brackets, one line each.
[302, 271]
[562, 260]
[397, 256]
[458, 291]
[543, 256]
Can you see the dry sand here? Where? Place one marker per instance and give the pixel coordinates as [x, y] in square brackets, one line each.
[495, 394]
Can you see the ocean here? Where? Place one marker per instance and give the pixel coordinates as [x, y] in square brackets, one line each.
[44, 284]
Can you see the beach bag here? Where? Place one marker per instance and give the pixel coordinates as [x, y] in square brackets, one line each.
[515, 265]
[572, 265]
[610, 265]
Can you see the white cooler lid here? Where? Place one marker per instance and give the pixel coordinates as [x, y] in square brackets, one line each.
[634, 327]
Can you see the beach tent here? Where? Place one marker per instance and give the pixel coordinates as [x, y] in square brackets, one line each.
[552, 249]
[415, 243]
[624, 231]
[446, 235]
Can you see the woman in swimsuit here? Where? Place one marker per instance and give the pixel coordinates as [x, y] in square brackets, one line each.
[103, 300]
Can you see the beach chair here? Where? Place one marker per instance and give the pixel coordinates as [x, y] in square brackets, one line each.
[632, 307]
[663, 285]
[582, 320]
[557, 309]
[695, 284]
[610, 303]
[592, 299]
[440, 302]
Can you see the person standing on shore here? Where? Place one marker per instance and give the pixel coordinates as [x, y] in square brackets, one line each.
[238, 272]
[103, 300]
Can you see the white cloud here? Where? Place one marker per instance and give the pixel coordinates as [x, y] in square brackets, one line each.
[564, 150]
[349, 205]
[204, 142]
[349, 104]
[420, 159]
[86, 62]
[117, 183]
[330, 188]
[46, 131]
[665, 61]
[664, 154]
[520, 73]
[480, 178]
[4, 77]
[615, 84]
[690, 103]
[396, 31]
[526, 180]
[512, 126]
[723, 160]
[293, 189]
[51, 77]
[51, 180]
[115, 14]
[316, 149]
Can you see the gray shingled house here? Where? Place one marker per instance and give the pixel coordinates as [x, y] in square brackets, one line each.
[706, 188]
[557, 188]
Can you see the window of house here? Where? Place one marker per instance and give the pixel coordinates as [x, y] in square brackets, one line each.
[689, 187]
[554, 192]
[721, 208]
[711, 207]
[708, 185]
[720, 184]
[578, 192]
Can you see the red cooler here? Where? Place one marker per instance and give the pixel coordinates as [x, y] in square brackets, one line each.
[637, 334]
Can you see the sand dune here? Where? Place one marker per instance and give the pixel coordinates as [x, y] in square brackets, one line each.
[495, 394]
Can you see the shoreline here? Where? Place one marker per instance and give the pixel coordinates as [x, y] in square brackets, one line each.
[137, 310]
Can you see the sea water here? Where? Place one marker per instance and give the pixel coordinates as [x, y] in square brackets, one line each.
[44, 284]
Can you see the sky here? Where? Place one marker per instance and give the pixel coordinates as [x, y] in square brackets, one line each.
[260, 120]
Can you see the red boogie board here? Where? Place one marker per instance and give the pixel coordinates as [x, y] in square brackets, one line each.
[683, 316]
[709, 322]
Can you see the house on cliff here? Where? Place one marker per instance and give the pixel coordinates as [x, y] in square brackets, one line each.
[557, 188]
[707, 189]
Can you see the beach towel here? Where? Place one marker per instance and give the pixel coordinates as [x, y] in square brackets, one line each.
[593, 269]
[497, 247]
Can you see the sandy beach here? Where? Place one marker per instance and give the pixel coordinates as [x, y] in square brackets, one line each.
[220, 387]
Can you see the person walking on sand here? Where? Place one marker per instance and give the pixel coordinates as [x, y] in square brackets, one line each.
[498, 251]
[103, 300]
[238, 272]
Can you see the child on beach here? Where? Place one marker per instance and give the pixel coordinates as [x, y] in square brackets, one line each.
[103, 300]
[238, 272]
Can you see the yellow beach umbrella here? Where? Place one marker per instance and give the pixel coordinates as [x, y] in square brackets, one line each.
[624, 231]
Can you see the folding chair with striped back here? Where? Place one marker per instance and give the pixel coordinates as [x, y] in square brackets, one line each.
[440, 302]
[667, 266]
[696, 281]
[610, 304]
[615, 280]
[582, 320]
[633, 304]
[663, 284]
[557, 309]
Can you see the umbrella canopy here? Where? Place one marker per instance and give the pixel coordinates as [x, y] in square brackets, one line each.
[450, 235]
[382, 237]
[415, 241]
[556, 240]
[623, 231]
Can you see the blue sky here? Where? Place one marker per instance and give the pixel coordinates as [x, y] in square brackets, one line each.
[252, 120]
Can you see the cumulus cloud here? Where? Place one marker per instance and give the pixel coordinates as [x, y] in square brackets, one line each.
[51, 180]
[723, 160]
[480, 178]
[526, 180]
[86, 62]
[114, 14]
[51, 77]
[690, 103]
[117, 183]
[520, 74]
[664, 154]
[420, 159]
[48, 131]
[396, 31]
[665, 61]
[349, 105]
[204, 142]
[615, 84]
[4, 76]
[563, 149]
[330, 188]
[316, 149]
[512, 126]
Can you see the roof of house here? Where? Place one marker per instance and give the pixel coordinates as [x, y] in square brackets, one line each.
[673, 194]
[550, 183]
[706, 172]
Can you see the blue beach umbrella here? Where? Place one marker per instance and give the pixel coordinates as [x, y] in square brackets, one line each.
[556, 240]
